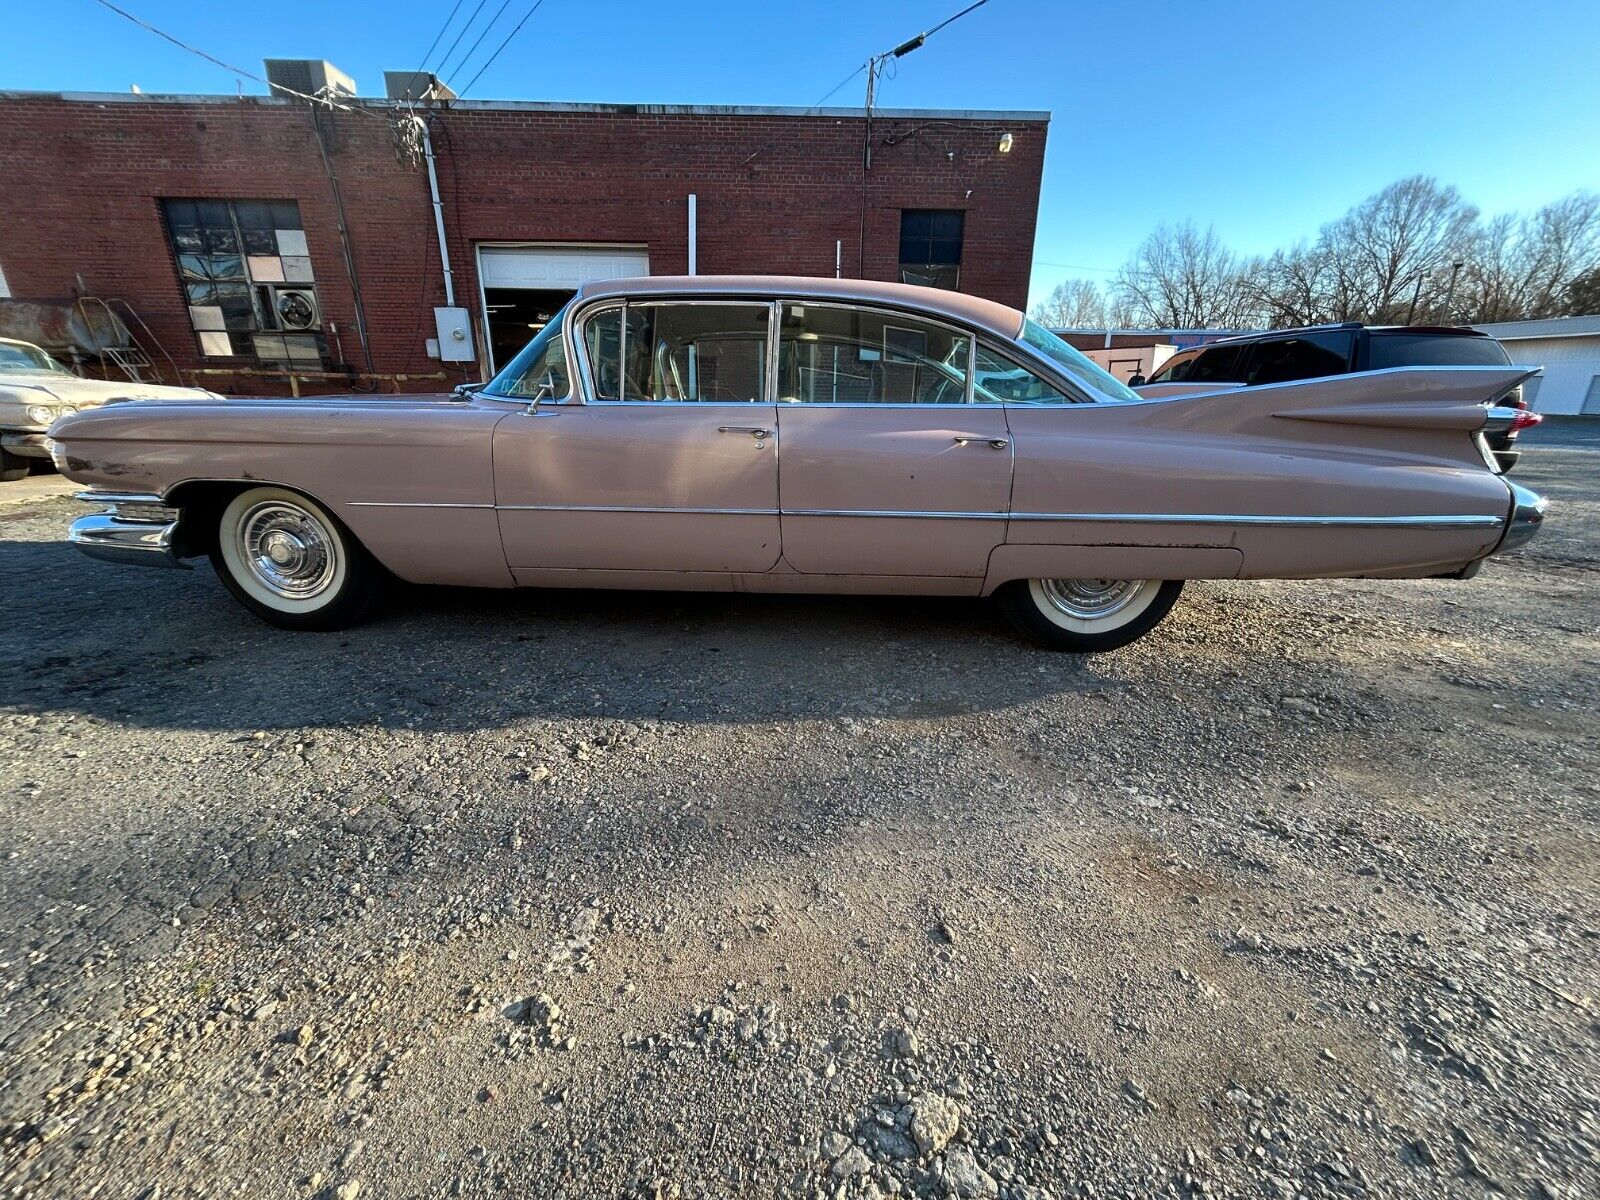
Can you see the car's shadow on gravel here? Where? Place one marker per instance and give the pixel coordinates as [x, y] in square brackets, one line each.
[169, 649]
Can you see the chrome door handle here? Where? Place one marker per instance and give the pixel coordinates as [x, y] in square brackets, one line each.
[963, 439]
[754, 431]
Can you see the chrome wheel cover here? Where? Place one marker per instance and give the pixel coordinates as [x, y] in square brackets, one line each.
[1090, 599]
[286, 549]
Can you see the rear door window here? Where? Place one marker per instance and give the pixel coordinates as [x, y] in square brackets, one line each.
[1310, 356]
[1219, 364]
[1434, 350]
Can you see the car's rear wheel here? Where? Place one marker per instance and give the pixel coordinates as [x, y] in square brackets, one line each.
[1087, 615]
[291, 562]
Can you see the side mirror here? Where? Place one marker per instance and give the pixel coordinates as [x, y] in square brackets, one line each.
[545, 392]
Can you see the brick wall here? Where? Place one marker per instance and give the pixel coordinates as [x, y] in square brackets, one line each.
[84, 178]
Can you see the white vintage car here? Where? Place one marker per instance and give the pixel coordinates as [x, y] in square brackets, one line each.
[36, 390]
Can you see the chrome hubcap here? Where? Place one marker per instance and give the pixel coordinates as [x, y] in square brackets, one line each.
[1090, 599]
[287, 550]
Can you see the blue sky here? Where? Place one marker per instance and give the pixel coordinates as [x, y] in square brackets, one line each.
[1264, 119]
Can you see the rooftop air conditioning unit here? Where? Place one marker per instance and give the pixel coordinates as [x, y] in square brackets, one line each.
[307, 76]
[415, 85]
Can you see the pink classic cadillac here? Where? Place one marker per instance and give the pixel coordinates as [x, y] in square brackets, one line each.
[809, 435]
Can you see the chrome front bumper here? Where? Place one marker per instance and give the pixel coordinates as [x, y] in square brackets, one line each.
[138, 529]
[1525, 520]
[25, 443]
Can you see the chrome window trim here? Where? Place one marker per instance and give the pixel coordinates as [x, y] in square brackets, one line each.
[879, 310]
[580, 344]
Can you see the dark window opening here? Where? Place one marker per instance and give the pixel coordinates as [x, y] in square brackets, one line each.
[930, 247]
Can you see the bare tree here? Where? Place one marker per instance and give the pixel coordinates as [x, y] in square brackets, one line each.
[1416, 251]
[1390, 256]
[1072, 304]
[1184, 278]
[1521, 267]
[1583, 295]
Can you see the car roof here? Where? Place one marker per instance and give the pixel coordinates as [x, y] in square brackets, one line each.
[1243, 339]
[998, 319]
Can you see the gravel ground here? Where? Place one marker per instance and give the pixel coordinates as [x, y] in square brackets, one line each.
[582, 894]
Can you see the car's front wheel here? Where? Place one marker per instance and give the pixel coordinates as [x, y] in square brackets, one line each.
[1087, 615]
[291, 562]
[13, 466]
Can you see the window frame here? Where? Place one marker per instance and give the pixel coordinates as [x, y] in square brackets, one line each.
[901, 262]
[580, 343]
[878, 310]
[579, 313]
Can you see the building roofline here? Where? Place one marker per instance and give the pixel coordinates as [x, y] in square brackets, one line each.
[693, 110]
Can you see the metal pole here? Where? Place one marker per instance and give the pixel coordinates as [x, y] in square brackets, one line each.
[438, 215]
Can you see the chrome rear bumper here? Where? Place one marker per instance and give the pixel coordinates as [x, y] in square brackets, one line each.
[1526, 517]
[138, 529]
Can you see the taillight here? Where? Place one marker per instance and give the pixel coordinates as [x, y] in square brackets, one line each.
[1525, 419]
[1515, 398]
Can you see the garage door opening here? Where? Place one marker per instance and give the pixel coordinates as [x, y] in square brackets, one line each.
[516, 315]
[523, 286]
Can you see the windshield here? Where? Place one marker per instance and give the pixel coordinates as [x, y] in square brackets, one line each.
[539, 371]
[19, 356]
[1100, 383]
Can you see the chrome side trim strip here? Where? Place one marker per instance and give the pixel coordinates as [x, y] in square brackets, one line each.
[412, 504]
[1464, 521]
[893, 513]
[631, 508]
[1441, 521]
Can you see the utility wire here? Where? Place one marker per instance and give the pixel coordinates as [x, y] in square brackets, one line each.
[502, 46]
[829, 96]
[434, 45]
[461, 33]
[226, 66]
[473, 49]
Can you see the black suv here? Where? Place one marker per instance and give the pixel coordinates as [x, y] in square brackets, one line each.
[1285, 355]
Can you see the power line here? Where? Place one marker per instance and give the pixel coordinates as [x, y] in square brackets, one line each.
[461, 33]
[434, 45]
[483, 33]
[227, 66]
[502, 46]
[826, 97]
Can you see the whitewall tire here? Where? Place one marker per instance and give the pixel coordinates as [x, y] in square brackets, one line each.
[1087, 615]
[291, 562]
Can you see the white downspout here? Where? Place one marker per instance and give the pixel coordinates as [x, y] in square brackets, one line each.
[438, 215]
[693, 236]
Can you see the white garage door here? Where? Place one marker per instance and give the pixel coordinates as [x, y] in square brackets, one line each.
[553, 267]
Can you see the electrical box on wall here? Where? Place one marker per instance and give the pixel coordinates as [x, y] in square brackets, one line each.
[455, 335]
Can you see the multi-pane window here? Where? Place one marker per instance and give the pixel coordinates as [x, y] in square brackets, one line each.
[698, 352]
[838, 355]
[247, 279]
[930, 247]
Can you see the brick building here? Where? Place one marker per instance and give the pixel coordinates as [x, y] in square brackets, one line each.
[217, 219]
